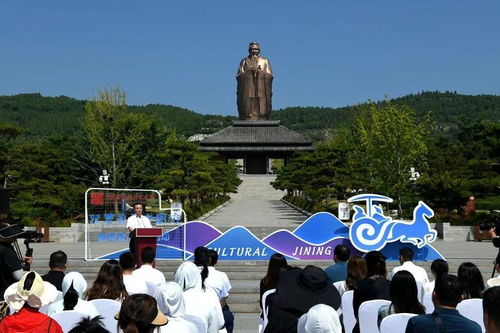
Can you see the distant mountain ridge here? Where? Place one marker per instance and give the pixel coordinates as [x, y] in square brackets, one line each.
[34, 112]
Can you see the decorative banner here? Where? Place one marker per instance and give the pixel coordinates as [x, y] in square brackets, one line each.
[315, 239]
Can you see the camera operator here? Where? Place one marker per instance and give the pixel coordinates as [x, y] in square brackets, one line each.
[11, 266]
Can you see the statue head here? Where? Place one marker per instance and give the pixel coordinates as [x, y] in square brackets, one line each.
[254, 48]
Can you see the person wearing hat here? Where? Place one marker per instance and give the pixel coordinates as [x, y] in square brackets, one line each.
[298, 291]
[25, 298]
[140, 314]
[11, 269]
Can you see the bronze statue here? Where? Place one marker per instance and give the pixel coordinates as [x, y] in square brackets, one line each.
[254, 90]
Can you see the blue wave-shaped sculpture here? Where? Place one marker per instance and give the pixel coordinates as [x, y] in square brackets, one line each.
[320, 228]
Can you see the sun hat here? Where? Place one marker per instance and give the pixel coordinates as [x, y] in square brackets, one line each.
[156, 318]
[170, 299]
[31, 290]
[320, 318]
[301, 289]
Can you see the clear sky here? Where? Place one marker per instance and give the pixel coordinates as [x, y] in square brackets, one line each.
[185, 53]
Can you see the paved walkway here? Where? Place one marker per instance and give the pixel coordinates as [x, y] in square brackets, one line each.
[257, 205]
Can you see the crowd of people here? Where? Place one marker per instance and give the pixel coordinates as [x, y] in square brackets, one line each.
[301, 300]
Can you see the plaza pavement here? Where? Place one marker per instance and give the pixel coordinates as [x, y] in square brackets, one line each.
[258, 207]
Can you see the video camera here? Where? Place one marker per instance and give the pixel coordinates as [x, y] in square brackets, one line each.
[493, 222]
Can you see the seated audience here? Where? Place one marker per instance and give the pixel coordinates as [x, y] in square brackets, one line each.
[199, 302]
[471, 279]
[25, 299]
[74, 287]
[87, 325]
[147, 272]
[439, 267]
[109, 283]
[404, 296]
[57, 263]
[445, 318]
[170, 299]
[270, 281]
[338, 271]
[356, 270]
[320, 318]
[495, 281]
[132, 283]
[374, 286]
[298, 290]
[216, 277]
[139, 314]
[406, 261]
[491, 308]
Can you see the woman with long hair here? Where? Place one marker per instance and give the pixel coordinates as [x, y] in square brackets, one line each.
[139, 314]
[276, 263]
[356, 270]
[202, 260]
[403, 295]
[109, 283]
[73, 289]
[471, 279]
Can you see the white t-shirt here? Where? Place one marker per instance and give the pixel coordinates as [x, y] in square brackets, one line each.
[206, 306]
[134, 285]
[82, 306]
[135, 221]
[218, 281]
[179, 325]
[149, 274]
[418, 273]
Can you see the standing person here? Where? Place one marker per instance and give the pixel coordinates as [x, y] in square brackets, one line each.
[57, 263]
[439, 268]
[491, 308]
[11, 268]
[147, 272]
[25, 298]
[132, 283]
[445, 318]
[406, 261]
[338, 271]
[137, 220]
[139, 314]
[109, 283]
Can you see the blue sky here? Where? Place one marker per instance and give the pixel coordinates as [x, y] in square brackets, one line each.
[185, 53]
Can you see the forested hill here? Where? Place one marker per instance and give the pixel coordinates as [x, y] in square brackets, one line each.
[46, 116]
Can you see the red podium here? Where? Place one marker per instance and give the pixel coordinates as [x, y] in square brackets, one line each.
[145, 237]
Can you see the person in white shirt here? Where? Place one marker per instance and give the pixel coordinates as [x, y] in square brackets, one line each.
[218, 278]
[137, 220]
[202, 303]
[170, 299]
[133, 284]
[147, 272]
[73, 289]
[439, 267]
[419, 273]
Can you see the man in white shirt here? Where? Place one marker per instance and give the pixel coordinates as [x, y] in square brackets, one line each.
[137, 220]
[133, 284]
[147, 272]
[405, 259]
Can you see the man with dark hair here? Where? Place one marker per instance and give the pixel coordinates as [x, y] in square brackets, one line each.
[491, 308]
[338, 271]
[439, 267]
[147, 272]
[57, 263]
[445, 318]
[219, 282]
[406, 261]
[136, 220]
[133, 284]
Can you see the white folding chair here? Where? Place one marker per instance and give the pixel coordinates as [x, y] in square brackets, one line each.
[68, 319]
[264, 307]
[107, 308]
[348, 311]
[427, 303]
[473, 310]
[395, 323]
[368, 315]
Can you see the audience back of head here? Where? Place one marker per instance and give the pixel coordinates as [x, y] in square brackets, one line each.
[341, 252]
[276, 263]
[471, 279]
[87, 325]
[375, 264]
[109, 282]
[439, 267]
[448, 291]
[139, 314]
[405, 254]
[214, 257]
[403, 293]
[58, 260]
[127, 261]
[356, 270]
[202, 259]
[491, 308]
[148, 255]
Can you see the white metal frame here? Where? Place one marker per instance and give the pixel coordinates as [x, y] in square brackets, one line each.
[87, 258]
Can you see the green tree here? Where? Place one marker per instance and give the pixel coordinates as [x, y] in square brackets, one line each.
[392, 142]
